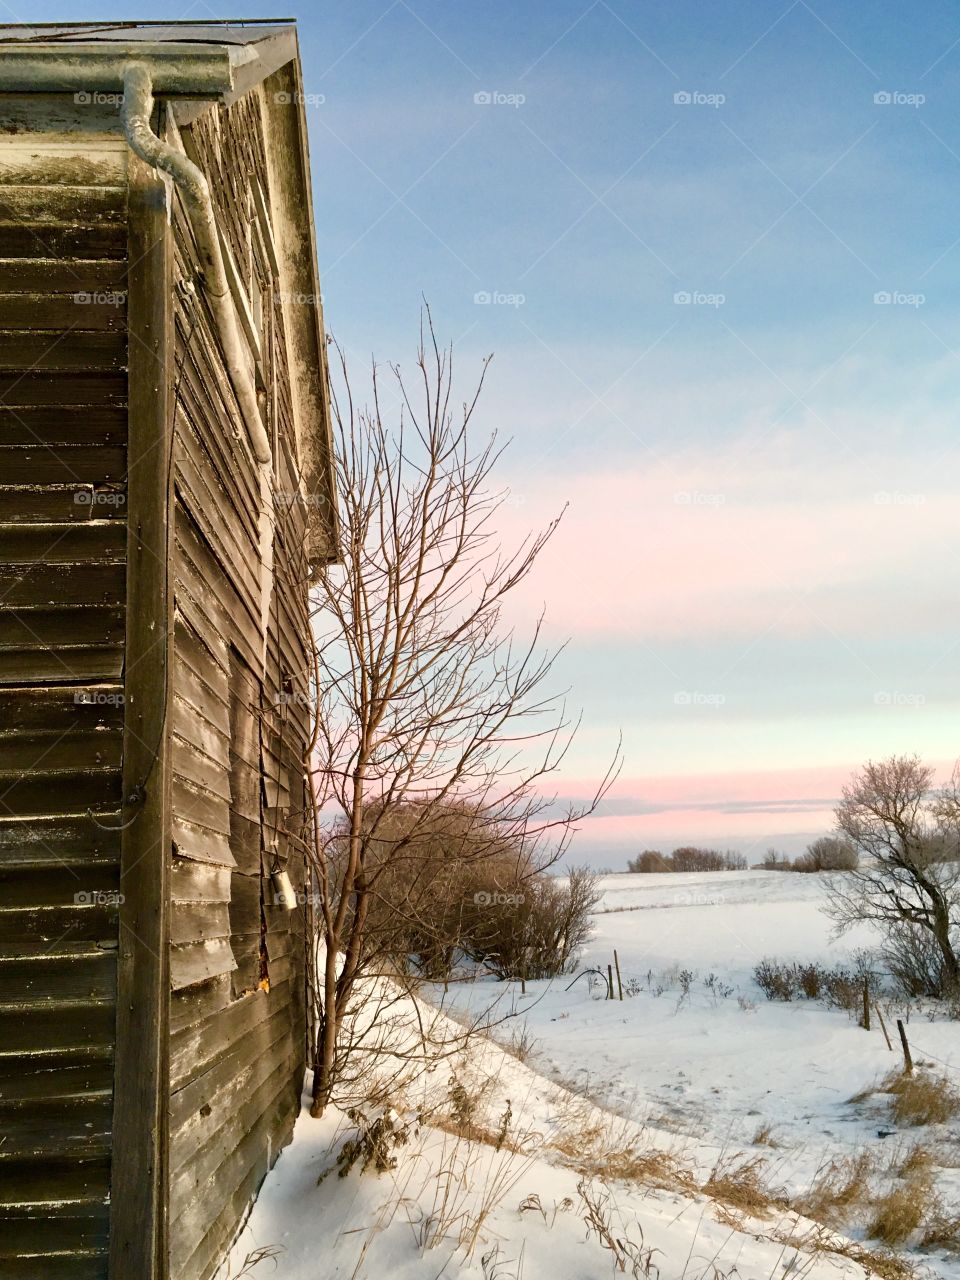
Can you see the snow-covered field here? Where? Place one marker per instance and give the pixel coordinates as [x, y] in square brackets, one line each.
[694, 1060]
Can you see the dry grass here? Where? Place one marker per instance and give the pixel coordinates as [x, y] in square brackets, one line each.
[898, 1214]
[764, 1136]
[941, 1230]
[596, 1144]
[877, 1262]
[738, 1182]
[839, 1187]
[920, 1098]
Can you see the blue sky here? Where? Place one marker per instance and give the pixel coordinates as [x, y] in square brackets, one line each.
[756, 571]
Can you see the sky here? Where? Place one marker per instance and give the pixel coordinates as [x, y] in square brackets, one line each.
[715, 250]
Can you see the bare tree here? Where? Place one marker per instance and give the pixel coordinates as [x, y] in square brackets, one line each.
[426, 698]
[908, 878]
[828, 853]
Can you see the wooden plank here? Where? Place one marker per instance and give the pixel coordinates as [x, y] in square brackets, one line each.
[73, 465]
[40, 205]
[198, 882]
[62, 240]
[59, 275]
[138, 1236]
[56, 1126]
[198, 961]
[195, 1004]
[60, 1187]
[199, 807]
[51, 1076]
[91, 425]
[78, 348]
[25, 1239]
[74, 501]
[58, 838]
[199, 922]
[47, 584]
[90, 663]
[199, 1108]
[47, 978]
[102, 540]
[201, 844]
[196, 1048]
[101, 625]
[67, 1028]
[47, 311]
[43, 165]
[250, 1154]
[74, 791]
[66, 389]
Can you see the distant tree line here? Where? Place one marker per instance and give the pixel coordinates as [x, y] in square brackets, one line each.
[828, 853]
[687, 858]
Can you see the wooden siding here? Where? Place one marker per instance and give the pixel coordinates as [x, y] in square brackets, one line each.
[237, 1050]
[63, 424]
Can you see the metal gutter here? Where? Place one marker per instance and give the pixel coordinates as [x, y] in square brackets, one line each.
[188, 70]
[195, 192]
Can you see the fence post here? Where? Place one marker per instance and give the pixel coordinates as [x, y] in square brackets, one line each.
[616, 964]
[866, 1003]
[609, 981]
[883, 1026]
[907, 1060]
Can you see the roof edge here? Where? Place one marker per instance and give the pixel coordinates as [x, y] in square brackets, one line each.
[190, 70]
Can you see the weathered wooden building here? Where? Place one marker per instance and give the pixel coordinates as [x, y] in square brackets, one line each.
[165, 496]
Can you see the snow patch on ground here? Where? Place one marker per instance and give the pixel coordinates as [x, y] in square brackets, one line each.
[695, 1077]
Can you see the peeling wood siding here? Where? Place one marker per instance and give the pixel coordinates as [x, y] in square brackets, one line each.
[62, 627]
[237, 1053]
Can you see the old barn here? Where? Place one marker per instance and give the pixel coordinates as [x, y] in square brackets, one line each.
[165, 498]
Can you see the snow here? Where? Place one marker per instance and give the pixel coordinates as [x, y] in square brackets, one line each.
[694, 1073]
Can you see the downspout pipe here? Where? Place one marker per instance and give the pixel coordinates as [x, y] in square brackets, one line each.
[195, 192]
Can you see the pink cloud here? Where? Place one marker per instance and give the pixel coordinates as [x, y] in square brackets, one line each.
[786, 539]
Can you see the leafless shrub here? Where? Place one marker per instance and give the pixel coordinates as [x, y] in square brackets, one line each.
[828, 853]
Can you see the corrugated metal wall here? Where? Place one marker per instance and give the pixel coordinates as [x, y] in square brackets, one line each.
[63, 242]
